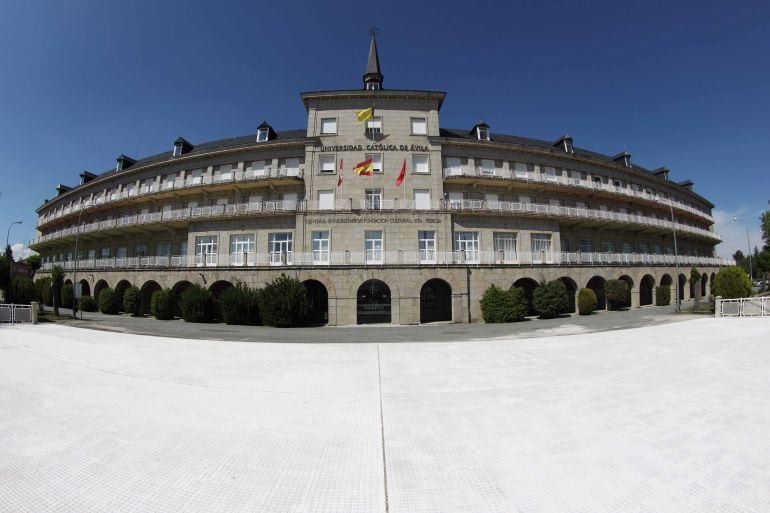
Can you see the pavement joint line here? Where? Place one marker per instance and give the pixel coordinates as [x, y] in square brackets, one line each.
[382, 434]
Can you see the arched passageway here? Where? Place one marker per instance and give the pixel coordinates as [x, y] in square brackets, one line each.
[667, 281]
[373, 302]
[571, 287]
[177, 290]
[120, 289]
[147, 290]
[682, 285]
[319, 302]
[435, 301]
[218, 287]
[631, 292]
[85, 287]
[597, 285]
[703, 282]
[100, 286]
[646, 289]
[528, 285]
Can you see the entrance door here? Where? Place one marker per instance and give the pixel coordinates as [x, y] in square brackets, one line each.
[373, 302]
[435, 301]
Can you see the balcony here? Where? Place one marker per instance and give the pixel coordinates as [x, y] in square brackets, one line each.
[560, 181]
[391, 258]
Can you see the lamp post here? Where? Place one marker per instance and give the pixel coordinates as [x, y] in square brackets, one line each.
[8, 233]
[676, 260]
[748, 242]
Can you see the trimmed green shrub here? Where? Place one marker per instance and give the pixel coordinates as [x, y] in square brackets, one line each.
[586, 301]
[131, 299]
[240, 305]
[109, 302]
[662, 295]
[162, 304]
[43, 286]
[731, 282]
[23, 290]
[617, 293]
[66, 295]
[88, 304]
[284, 303]
[549, 299]
[198, 305]
[498, 305]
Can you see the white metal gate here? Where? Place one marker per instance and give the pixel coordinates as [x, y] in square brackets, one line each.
[13, 314]
[743, 307]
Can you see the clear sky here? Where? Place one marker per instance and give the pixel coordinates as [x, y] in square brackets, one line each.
[680, 84]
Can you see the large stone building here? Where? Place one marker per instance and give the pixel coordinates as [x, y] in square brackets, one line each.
[472, 208]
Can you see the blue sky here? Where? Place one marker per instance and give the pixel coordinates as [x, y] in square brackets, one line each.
[680, 84]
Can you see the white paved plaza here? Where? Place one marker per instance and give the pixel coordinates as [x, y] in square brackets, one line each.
[672, 418]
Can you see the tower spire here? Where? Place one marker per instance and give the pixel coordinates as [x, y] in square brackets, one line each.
[372, 76]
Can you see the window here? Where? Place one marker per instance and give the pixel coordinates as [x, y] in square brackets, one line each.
[225, 172]
[376, 161]
[422, 199]
[419, 126]
[586, 245]
[467, 243]
[263, 134]
[163, 249]
[373, 199]
[644, 247]
[206, 250]
[487, 167]
[541, 244]
[104, 253]
[195, 176]
[374, 127]
[482, 132]
[256, 168]
[328, 126]
[281, 246]
[168, 181]
[122, 252]
[240, 244]
[183, 248]
[420, 164]
[628, 247]
[177, 150]
[321, 247]
[373, 246]
[550, 174]
[505, 245]
[521, 169]
[426, 245]
[327, 164]
[453, 166]
[326, 200]
[292, 167]
[607, 246]
[91, 254]
[658, 249]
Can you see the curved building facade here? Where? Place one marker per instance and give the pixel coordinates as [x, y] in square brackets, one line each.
[384, 214]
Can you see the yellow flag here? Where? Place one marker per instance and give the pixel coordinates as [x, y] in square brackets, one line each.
[363, 115]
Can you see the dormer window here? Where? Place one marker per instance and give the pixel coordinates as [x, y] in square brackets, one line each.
[482, 133]
[568, 146]
[263, 134]
[177, 150]
[123, 162]
[565, 143]
[623, 158]
[373, 86]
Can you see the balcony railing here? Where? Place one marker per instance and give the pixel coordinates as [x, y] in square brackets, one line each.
[531, 176]
[389, 258]
[278, 206]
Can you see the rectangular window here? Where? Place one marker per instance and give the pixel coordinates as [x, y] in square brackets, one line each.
[541, 246]
[374, 127]
[163, 249]
[224, 173]
[467, 244]
[376, 161]
[628, 247]
[195, 177]
[326, 200]
[206, 250]
[422, 199]
[521, 170]
[263, 134]
[607, 246]
[586, 245]
[240, 244]
[168, 181]
[104, 253]
[505, 246]
[122, 252]
[183, 248]
[321, 247]
[373, 199]
[426, 245]
[292, 167]
[140, 250]
[256, 168]
[487, 167]
[419, 126]
[91, 254]
[420, 164]
[328, 126]
[644, 247]
[281, 247]
[453, 166]
[327, 164]
[373, 245]
[550, 174]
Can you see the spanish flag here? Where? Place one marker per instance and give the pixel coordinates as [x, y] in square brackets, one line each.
[363, 115]
[364, 168]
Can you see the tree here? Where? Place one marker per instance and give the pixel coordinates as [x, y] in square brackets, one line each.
[763, 262]
[5, 273]
[9, 253]
[731, 282]
[34, 262]
[57, 280]
[284, 303]
[23, 290]
[498, 305]
[741, 260]
[765, 219]
[550, 299]
[617, 293]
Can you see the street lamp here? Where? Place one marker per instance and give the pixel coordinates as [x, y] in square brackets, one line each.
[8, 233]
[751, 274]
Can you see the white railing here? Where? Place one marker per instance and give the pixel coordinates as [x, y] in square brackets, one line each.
[541, 177]
[742, 307]
[11, 313]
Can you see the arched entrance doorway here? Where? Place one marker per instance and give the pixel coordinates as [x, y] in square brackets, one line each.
[435, 301]
[571, 287]
[703, 281]
[218, 287]
[597, 285]
[682, 285]
[373, 302]
[646, 287]
[100, 286]
[177, 290]
[85, 288]
[120, 289]
[528, 285]
[319, 302]
[630, 283]
[147, 291]
[666, 281]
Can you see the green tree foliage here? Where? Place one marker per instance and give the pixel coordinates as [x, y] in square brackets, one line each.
[549, 299]
[57, 281]
[240, 305]
[662, 295]
[284, 303]
[617, 293]
[35, 262]
[198, 305]
[162, 304]
[109, 302]
[66, 295]
[23, 290]
[87, 304]
[763, 262]
[5, 273]
[731, 282]
[765, 219]
[587, 301]
[43, 286]
[499, 305]
[132, 296]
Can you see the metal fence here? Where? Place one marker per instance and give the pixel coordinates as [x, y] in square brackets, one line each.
[743, 307]
[14, 314]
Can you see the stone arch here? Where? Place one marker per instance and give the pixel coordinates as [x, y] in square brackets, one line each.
[319, 302]
[646, 290]
[571, 287]
[703, 282]
[597, 285]
[630, 281]
[85, 287]
[435, 301]
[218, 287]
[682, 284]
[100, 286]
[373, 302]
[177, 290]
[147, 290]
[67, 282]
[120, 289]
[528, 285]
